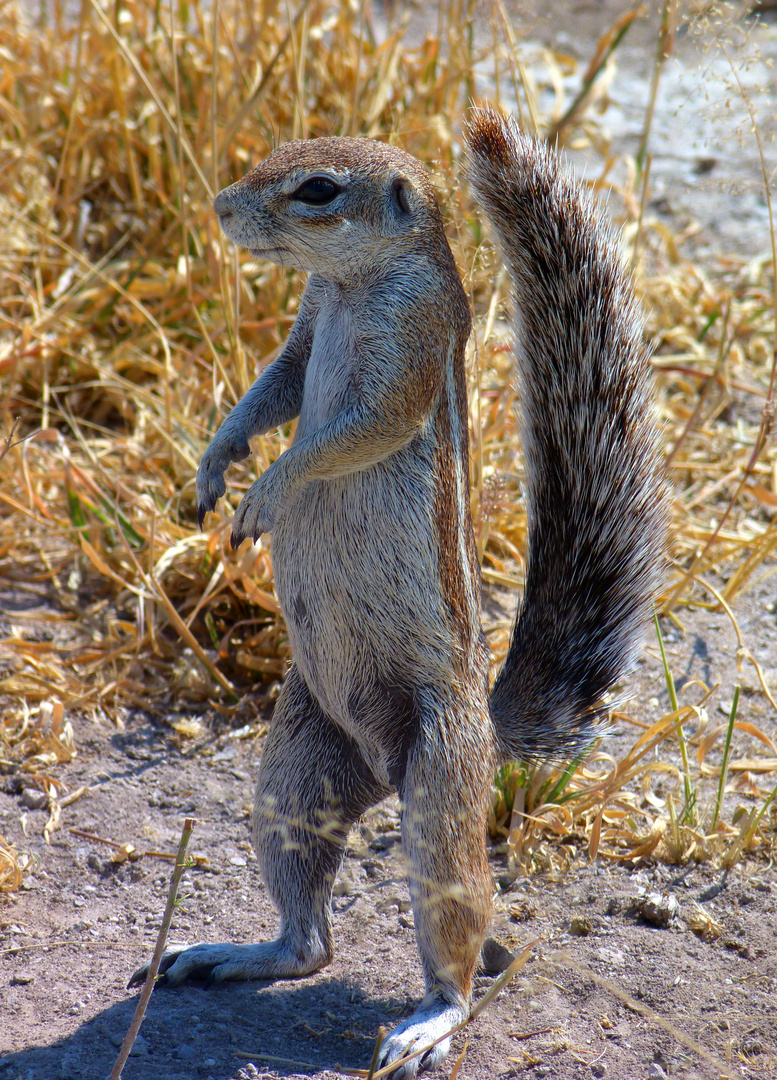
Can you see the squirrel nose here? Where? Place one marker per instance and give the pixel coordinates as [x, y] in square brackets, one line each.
[221, 205]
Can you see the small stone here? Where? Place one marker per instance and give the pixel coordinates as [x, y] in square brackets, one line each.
[581, 926]
[22, 978]
[249, 1072]
[390, 906]
[140, 1047]
[345, 885]
[655, 1072]
[611, 956]
[494, 957]
[598, 1069]
[33, 799]
[383, 843]
[657, 909]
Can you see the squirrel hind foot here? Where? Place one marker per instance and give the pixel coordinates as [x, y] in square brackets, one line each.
[279, 959]
[428, 1024]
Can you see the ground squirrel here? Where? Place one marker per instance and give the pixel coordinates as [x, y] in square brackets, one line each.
[372, 543]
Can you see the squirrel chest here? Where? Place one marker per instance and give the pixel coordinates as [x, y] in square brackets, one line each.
[355, 557]
[332, 368]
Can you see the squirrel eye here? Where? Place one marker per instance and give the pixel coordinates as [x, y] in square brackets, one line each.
[317, 192]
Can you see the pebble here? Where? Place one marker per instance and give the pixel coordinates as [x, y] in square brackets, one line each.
[139, 1048]
[494, 957]
[34, 799]
[581, 926]
[655, 1072]
[657, 909]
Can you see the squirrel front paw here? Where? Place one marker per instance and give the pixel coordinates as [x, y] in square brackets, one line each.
[257, 512]
[210, 475]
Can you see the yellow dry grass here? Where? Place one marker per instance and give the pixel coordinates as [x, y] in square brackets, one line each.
[127, 331]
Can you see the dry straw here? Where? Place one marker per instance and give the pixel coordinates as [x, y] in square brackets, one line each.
[127, 331]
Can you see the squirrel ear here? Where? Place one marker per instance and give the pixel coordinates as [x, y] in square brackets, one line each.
[400, 188]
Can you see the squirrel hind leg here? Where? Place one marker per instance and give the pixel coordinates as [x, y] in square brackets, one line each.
[444, 795]
[313, 785]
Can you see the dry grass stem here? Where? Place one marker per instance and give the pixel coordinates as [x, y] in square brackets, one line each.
[153, 968]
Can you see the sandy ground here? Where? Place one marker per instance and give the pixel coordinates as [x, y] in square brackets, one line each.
[66, 1008]
[605, 992]
[706, 175]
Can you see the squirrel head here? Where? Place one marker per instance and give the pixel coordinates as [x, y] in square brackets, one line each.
[339, 207]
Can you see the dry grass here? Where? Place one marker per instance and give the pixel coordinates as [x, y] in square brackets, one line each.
[127, 331]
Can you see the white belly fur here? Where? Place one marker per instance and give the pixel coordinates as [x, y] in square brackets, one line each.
[360, 591]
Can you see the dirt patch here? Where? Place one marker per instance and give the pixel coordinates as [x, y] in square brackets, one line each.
[605, 993]
[706, 177]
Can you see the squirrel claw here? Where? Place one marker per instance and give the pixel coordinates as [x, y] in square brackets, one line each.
[239, 533]
[210, 482]
[206, 504]
[139, 977]
[257, 512]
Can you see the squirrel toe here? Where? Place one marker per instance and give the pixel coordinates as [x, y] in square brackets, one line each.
[210, 487]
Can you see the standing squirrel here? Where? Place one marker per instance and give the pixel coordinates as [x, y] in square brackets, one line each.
[373, 551]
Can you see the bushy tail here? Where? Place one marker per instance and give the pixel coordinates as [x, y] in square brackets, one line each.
[595, 488]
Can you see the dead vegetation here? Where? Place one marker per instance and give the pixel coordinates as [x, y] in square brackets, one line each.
[127, 330]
